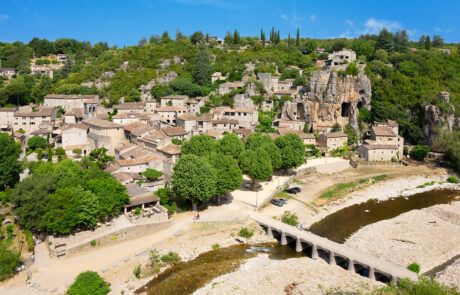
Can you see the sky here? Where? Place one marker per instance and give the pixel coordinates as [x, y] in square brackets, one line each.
[125, 22]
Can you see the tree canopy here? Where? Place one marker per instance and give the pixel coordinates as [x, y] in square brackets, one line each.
[229, 175]
[89, 283]
[10, 167]
[292, 150]
[200, 145]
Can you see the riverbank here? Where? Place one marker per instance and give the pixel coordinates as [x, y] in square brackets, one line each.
[261, 275]
[428, 237]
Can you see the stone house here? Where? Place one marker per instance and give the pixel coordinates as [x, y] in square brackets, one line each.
[242, 133]
[30, 120]
[344, 56]
[223, 125]
[130, 107]
[169, 114]
[74, 136]
[194, 124]
[131, 117]
[178, 133]
[7, 118]
[217, 76]
[68, 102]
[136, 130]
[174, 101]
[332, 141]
[307, 138]
[154, 140]
[171, 152]
[246, 118]
[139, 164]
[295, 125]
[193, 105]
[378, 152]
[103, 133]
[74, 116]
[226, 88]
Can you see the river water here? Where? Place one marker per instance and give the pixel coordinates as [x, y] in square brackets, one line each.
[342, 224]
[187, 277]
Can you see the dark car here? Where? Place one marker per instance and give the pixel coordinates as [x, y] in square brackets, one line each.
[284, 201]
[293, 190]
[296, 188]
[277, 202]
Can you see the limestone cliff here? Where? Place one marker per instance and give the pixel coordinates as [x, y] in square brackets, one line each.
[436, 121]
[329, 98]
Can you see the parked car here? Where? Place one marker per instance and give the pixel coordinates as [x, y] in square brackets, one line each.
[293, 190]
[249, 185]
[277, 202]
[284, 201]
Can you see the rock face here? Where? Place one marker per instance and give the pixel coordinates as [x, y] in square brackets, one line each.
[329, 98]
[435, 121]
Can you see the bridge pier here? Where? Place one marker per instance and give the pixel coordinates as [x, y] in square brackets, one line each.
[283, 238]
[269, 232]
[351, 265]
[314, 251]
[331, 258]
[298, 245]
[371, 273]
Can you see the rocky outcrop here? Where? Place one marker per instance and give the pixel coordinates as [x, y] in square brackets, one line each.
[436, 121]
[330, 98]
[147, 88]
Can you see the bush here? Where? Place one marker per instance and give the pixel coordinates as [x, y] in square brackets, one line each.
[419, 152]
[89, 283]
[137, 271]
[215, 246]
[36, 142]
[151, 174]
[137, 211]
[453, 179]
[424, 285]
[155, 260]
[93, 243]
[414, 267]
[246, 233]
[9, 259]
[171, 258]
[290, 218]
[29, 240]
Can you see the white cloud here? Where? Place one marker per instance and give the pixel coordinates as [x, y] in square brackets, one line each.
[374, 26]
[313, 17]
[4, 17]
[283, 16]
[349, 22]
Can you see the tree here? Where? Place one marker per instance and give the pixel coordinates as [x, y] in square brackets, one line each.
[9, 260]
[263, 38]
[196, 37]
[297, 38]
[401, 41]
[437, 41]
[427, 43]
[236, 37]
[352, 69]
[229, 175]
[352, 137]
[336, 127]
[256, 164]
[419, 152]
[10, 167]
[385, 40]
[100, 157]
[199, 145]
[89, 283]
[36, 142]
[422, 41]
[381, 55]
[230, 145]
[165, 37]
[194, 179]
[202, 67]
[151, 174]
[292, 150]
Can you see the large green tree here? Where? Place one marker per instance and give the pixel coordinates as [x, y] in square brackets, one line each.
[202, 67]
[200, 145]
[10, 167]
[194, 179]
[292, 150]
[265, 142]
[36, 142]
[229, 175]
[256, 164]
[230, 145]
[9, 260]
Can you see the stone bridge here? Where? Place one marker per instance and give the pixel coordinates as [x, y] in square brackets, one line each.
[333, 253]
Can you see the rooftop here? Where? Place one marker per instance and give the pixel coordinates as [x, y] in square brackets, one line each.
[71, 96]
[170, 149]
[383, 131]
[101, 123]
[335, 134]
[174, 131]
[138, 161]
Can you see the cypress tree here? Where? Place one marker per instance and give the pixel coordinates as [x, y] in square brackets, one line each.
[427, 43]
[202, 67]
[297, 38]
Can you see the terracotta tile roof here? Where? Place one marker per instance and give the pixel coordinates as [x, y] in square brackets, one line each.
[181, 97]
[171, 109]
[171, 149]
[77, 112]
[334, 134]
[8, 109]
[225, 121]
[190, 117]
[42, 112]
[174, 131]
[102, 123]
[380, 146]
[383, 131]
[71, 126]
[302, 135]
[130, 106]
[243, 131]
[138, 161]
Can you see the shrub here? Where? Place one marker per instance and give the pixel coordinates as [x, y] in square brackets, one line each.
[137, 271]
[89, 283]
[215, 246]
[171, 258]
[414, 267]
[246, 233]
[10, 231]
[9, 259]
[290, 218]
[137, 211]
[93, 243]
[419, 152]
[424, 285]
[453, 179]
[380, 177]
[151, 174]
[155, 260]
[36, 142]
[29, 240]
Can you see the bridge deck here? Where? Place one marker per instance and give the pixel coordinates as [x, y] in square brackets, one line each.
[338, 249]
